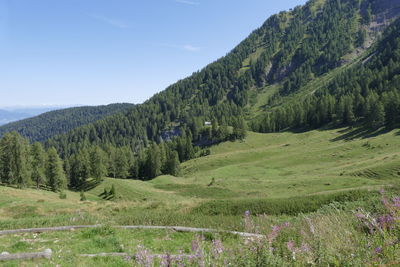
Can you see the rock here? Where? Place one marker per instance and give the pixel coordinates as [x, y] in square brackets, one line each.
[5, 253]
[48, 253]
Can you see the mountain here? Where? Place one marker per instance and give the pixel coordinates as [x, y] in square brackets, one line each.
[16, 113]
[52, 123]
[289, 73]
[9, 116]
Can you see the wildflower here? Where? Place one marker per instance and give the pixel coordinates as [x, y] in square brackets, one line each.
[359, 215]
[396, 202]
[305, 247]
[274, 233]
[195, 245]
[166, 260]
[385, 221]
[180, 259]
[248, 223]
[218, 248]
[143, 257]
[291, 246]
[276, 229]
[311, 225]
[247, 213]
[378, 250]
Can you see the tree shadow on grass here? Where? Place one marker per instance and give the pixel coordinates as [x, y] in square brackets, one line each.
[88, 185]
[349, 134]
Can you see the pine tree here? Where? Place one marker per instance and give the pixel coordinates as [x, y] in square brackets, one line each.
[38, 164]
[121, 164]
[54, 171]
[172, 164]
[377, 116]
[153, 162]
[14, 160]
[97, 160]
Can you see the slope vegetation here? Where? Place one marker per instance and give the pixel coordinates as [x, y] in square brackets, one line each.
[53, 123]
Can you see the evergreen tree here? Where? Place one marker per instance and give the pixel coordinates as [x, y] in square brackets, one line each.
[172, 164]
[121, 164]
[153, 162]
[38, 164]
[14, 160]
[97, 159]
[55, 175]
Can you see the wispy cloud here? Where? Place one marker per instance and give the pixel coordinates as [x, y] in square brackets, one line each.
[111, 21]
[187, 2]
[191, 48]
[186, 47]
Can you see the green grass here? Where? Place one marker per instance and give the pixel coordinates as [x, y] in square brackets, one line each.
[279, 174]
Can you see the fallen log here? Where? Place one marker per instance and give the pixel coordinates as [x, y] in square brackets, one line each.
[174, 228]
[119, 254]
[46, 229]
[26, 256]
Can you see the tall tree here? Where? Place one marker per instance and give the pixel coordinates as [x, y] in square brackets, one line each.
[153, 162]
[14, 160]
[55, 175]
[38, 162]
[98, 163]
[172, 163]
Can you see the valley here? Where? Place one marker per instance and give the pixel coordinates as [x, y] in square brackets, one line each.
[284, 152]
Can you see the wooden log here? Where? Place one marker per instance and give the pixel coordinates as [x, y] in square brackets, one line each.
[118, 254]
[174, 228]
[26, 256]
[46, 229]
[105, 254]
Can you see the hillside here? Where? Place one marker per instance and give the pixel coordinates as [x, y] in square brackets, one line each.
[295, 55]
[52, 123]
[323, 174]
[291, 139]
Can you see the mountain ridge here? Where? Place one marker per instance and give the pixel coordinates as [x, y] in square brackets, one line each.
[51, 123]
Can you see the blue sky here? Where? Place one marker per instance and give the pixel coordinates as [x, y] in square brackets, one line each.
[66, 52]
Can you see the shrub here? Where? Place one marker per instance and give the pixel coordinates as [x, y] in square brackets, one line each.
[63, 195]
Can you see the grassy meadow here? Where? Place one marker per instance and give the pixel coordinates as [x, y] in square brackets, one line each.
[298, 189]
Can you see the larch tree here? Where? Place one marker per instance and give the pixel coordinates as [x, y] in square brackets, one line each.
[38, 162]
[55, 175]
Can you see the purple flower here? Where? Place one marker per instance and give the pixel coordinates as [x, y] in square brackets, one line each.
[291, 246]
[396, 202]
[143, 257]
[218, 248]
[305, 247]
[195, 245]
[385, 221]
[166, 260]
[378, 250]
[247, 213]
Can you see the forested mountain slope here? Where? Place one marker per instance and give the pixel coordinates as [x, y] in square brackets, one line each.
[289, 51]
[52, 123]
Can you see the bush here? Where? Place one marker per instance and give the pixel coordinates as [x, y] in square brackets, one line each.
[83, 197]
[63, 195]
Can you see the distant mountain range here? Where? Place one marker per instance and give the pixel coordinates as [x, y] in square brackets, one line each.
[39, 124]
[8, 115]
